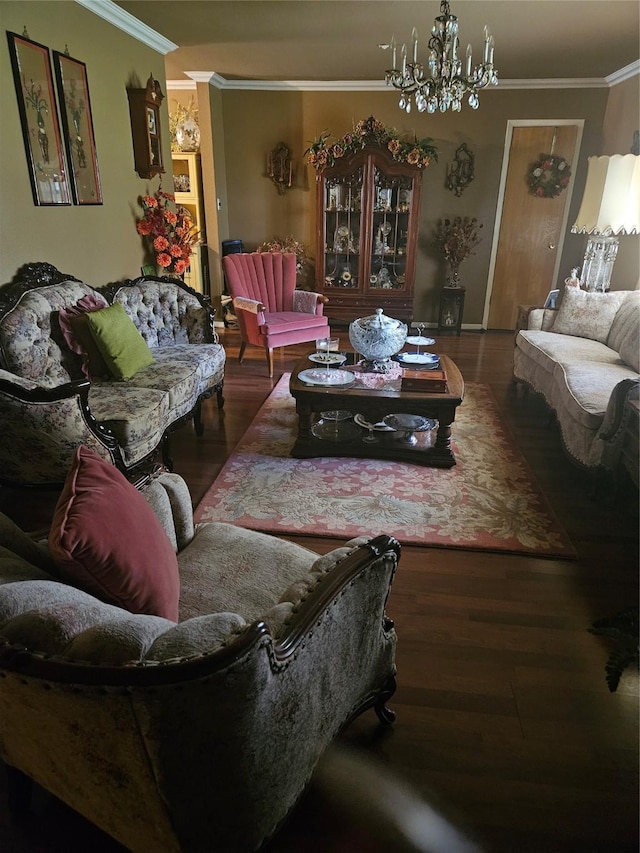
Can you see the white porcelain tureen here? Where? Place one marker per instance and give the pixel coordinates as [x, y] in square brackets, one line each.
[377, 338]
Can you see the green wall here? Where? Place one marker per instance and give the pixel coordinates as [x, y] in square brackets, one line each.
[95, 243]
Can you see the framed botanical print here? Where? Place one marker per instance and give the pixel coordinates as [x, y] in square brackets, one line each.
[77, 128]
[39, 120]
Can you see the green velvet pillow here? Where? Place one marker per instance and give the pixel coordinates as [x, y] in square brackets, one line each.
[123, 348]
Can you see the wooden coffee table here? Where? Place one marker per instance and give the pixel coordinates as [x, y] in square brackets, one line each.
[373, 403]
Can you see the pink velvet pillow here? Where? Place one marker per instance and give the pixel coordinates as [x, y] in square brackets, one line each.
[75, 330]
[106, 540]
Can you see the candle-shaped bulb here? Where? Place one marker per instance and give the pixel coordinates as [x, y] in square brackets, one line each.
[491, 44]
[414, 39]
[487, 36]
[403, 54]
[468, 60]
[393, 52]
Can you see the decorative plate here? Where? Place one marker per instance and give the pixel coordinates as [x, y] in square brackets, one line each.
[315, 376]
[413, 423]
[343, 231]
[385, 228]
[328, 358]
[379, 427]
[426, 359]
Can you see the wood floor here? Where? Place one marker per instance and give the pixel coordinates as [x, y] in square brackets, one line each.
[503, 713]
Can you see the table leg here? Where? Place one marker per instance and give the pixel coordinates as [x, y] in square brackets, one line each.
[442, 447]
[304, 420]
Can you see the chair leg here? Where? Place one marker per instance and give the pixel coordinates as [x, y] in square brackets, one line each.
[243, 347]
[270, 362]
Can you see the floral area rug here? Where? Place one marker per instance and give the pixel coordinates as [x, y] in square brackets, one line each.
[488, 501]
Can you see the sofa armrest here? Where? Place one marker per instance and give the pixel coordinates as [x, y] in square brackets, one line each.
[42, 427]
[615, 422]
[540, 319]
[252, 306]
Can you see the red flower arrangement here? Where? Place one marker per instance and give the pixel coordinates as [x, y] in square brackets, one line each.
[171, 234]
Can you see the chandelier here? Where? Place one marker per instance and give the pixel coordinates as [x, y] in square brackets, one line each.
[445, 84]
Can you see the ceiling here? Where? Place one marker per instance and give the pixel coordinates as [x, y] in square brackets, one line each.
[336, 40]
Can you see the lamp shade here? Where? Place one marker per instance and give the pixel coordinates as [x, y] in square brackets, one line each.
[611, 201]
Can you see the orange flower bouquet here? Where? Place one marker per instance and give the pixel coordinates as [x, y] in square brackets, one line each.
[171, 233]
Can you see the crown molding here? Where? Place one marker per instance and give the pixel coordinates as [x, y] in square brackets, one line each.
[380, 86]
[129, 24]
[625, 73]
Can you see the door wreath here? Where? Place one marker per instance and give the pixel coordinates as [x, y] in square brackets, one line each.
[548, 176]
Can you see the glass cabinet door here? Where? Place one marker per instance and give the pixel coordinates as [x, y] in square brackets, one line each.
[366, 231]
[392, 196]
[343, 231]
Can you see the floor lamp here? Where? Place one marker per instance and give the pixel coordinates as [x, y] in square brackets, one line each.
[610, 207]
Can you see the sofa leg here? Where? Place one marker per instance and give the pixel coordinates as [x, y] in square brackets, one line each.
[19, 790]
[197, 419]
[167, 461]
[219, 396]
[270, 362]
[243, 347]
[384, 714]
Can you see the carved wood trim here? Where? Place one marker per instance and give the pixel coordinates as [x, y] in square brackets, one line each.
[16, 658]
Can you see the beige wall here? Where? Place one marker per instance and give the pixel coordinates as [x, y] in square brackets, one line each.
[621, 120]
[95, 243]
[256, 121]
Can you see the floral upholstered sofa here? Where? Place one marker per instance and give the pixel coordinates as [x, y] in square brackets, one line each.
[197, 727]
[51, 401]
[584, 358]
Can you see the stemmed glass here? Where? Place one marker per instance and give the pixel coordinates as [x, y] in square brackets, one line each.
[370, 438]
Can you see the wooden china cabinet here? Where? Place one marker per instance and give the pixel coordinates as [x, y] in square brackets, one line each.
[368, 207]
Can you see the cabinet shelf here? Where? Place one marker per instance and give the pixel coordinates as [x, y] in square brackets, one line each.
[187, 187]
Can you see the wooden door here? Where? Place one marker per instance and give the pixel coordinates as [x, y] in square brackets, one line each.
[531, 228]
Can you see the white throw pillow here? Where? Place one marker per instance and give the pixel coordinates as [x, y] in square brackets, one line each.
[587, 315]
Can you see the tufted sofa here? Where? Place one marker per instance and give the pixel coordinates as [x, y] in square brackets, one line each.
[583, 358]
[49, 407]
[200, 734]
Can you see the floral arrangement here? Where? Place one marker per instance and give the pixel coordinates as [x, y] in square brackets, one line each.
[177, 116]
[457, 239]
[171, 234]
[417, 152]
[285, 244]
[548, 176]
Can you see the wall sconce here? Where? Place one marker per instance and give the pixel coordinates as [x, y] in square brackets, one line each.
[461, 171]
[280, 168]
[610, 207]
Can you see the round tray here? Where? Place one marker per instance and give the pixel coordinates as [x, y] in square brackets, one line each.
[328, 358]
[420, 341]
[332, 430]
[317, 376]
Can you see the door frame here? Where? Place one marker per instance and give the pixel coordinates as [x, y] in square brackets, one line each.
[511, 124]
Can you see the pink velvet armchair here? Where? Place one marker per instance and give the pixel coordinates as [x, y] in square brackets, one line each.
[270, 311]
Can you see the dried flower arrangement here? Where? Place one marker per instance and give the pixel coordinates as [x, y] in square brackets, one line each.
[457, 239]
[286, 244]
